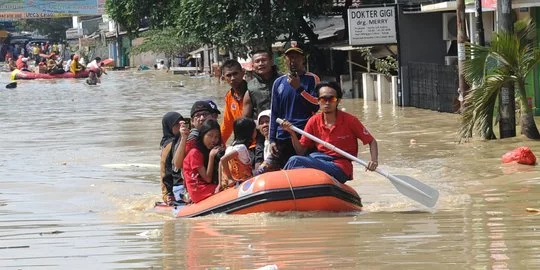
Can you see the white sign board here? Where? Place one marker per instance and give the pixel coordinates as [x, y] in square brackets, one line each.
[104, 26]
[374, 25]
[73, 33]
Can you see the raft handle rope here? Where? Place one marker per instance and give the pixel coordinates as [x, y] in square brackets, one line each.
[292, 190]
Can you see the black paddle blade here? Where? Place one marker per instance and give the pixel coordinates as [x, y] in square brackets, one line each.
[415, 189]
[11, 85]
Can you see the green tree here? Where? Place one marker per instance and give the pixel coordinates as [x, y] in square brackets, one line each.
[131, 14]
[242, 25]
[54, 28]
[166, 41]
[127, 13]
[509, 59]
[387, 66]
[236, 25]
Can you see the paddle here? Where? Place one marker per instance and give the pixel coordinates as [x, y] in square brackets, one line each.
[11, 85]
[407, 185]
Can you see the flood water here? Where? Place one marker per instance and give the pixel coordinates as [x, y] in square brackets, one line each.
[79, 175]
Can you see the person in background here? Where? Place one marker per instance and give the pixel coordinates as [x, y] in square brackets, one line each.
[199, 163]
[54, 66]
[75, 66]
[337, 128]
[9, 55]
[82, 61]
[61, 49]
[171, 124]
[294, 99]
[216, 72]
[68, 63]
[21, 64]
[92, 79]
[11, 64]
[233, 74]
[51, 65]
[95, 68]
[95, 64]
[161, 65]
[36, 50]
[42, 66]
[237, 163]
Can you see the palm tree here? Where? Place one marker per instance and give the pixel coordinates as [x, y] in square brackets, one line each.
[509, 59]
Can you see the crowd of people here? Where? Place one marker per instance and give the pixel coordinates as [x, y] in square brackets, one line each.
[31, 50]
[54, 64]
[194, 151]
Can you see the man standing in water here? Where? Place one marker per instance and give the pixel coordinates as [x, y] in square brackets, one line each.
[233, 74]
[259, 94]
[293, 99]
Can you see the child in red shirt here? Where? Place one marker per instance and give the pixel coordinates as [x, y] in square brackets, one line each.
[199, 163]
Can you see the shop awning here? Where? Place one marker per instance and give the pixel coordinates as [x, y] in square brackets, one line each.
[438, 7]
[197, 51]
[451, 6]
[328, 26]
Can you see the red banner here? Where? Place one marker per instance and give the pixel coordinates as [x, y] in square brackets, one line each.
[492, 4]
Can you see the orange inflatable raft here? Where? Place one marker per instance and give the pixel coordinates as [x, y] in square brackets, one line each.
[280, 191]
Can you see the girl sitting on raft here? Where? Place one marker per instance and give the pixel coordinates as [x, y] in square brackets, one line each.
[236, 165]
[199, 162]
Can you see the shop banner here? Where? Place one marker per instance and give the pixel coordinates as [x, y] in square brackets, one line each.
[43, 8]
[490, 4]
[13, 16]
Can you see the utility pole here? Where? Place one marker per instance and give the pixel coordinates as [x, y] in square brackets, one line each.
[507, 102]
[118, 58]
[461, 39]
[479, 23]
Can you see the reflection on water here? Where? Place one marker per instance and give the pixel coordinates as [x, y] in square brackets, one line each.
[78, 177]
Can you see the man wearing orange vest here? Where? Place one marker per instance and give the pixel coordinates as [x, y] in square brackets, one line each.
[233, 74]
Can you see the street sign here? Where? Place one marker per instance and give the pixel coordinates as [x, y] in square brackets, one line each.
[104, 26]
[373, 25]
[74, 33]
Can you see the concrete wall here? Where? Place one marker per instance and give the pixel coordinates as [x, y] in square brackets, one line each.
[420, 40]
[148, 58]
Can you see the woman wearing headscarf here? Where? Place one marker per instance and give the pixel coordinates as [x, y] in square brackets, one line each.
[171, 124]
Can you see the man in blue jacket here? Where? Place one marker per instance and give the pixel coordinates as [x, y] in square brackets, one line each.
[293, 98]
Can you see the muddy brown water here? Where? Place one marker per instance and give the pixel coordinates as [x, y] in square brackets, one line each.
[79, 175]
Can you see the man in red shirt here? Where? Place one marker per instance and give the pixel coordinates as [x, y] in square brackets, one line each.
[335, 127]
